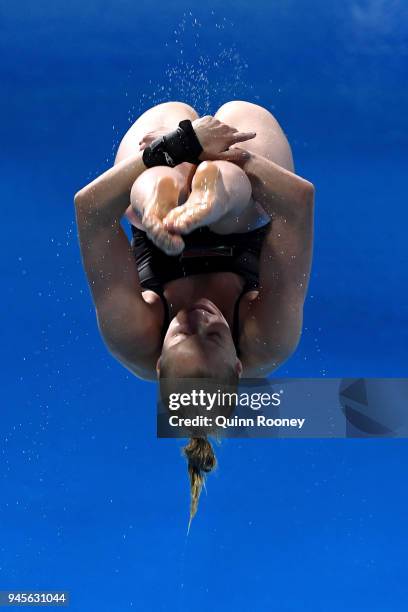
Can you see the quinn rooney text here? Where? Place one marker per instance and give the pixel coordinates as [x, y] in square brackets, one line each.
[225, 422]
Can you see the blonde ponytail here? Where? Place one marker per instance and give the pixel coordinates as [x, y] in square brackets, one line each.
[201, 460]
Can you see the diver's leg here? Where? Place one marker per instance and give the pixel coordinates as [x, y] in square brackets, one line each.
[163, 117]
[220, 199]
[270, 140]
[220, 196]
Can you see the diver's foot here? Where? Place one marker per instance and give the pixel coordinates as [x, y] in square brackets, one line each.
[206, 203]
[164, 198]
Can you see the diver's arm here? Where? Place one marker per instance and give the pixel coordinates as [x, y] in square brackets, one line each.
[273, 323]
[125, 320]
[106, 198]
[277, 190]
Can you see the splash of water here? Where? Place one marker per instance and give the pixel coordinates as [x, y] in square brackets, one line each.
[204, 70]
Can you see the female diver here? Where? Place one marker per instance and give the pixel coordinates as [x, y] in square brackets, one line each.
[214, 280]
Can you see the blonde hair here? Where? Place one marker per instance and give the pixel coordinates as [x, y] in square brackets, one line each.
[199, 453]
[201, 460]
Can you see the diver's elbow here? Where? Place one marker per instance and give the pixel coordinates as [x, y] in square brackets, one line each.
[79, 198]
[289, 346]
[308, 193]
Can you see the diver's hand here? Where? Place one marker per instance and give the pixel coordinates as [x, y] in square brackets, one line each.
[149, 137]
[215, 137]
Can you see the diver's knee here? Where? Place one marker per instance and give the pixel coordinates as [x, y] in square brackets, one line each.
[177, 105]
[241, 106]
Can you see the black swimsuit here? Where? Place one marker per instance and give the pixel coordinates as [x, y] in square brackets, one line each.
[204, 252]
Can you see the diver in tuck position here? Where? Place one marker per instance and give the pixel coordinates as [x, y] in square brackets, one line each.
[213, 282]
[214, 279]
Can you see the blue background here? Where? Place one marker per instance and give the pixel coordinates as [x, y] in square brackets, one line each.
[91, 501]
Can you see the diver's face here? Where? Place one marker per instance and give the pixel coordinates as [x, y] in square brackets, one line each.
[199, 339]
